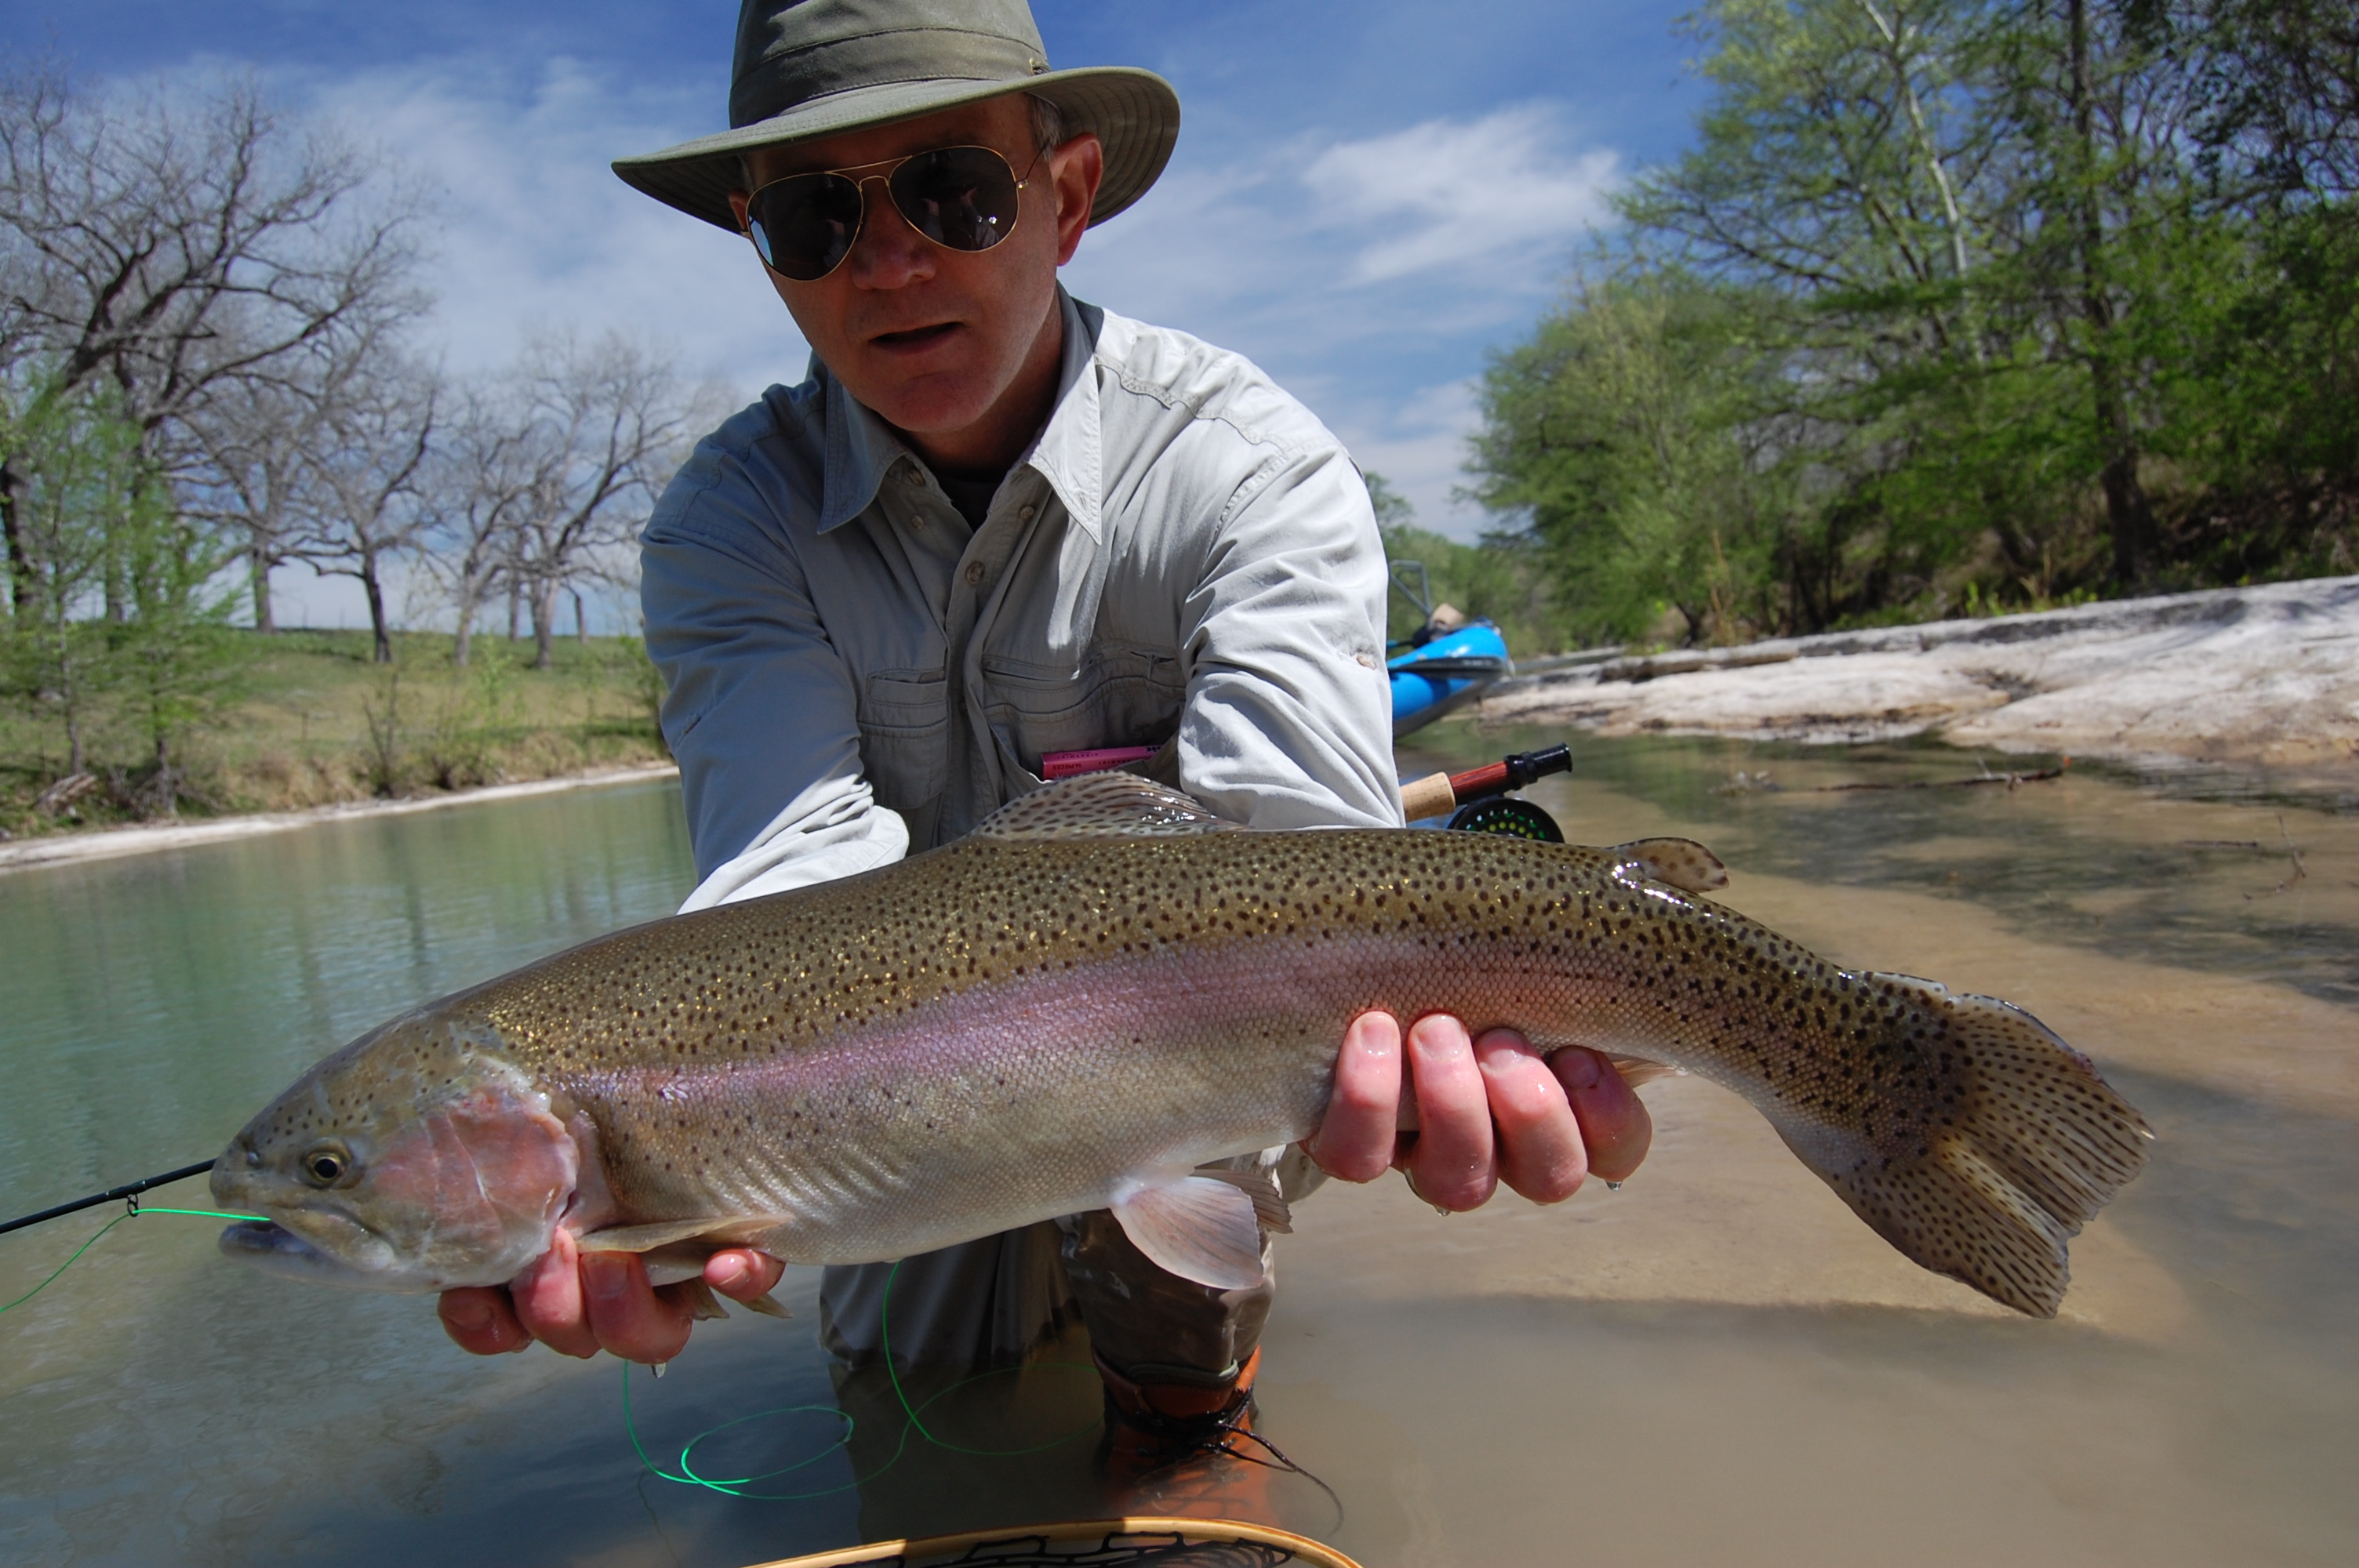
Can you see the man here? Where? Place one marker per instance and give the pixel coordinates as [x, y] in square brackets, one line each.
[994, 525]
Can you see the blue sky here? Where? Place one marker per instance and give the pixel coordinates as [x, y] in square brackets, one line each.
[1367, 196]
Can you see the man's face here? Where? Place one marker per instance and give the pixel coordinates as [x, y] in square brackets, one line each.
[930, 338]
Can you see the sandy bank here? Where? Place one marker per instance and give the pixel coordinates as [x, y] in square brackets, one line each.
[2265, 674]
[182, 835]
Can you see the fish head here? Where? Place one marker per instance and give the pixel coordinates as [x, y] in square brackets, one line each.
[417, 1159]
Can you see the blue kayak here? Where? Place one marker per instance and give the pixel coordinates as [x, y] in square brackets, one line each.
[1453, 667]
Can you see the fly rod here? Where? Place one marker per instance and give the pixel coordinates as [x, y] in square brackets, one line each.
[129, 1190]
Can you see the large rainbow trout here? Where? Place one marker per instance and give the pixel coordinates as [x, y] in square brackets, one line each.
[1099, 991]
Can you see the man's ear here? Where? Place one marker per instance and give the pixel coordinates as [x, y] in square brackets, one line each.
[738, 199]
[1075, 169]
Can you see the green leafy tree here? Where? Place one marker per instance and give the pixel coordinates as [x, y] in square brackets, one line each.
[79, 466]
[1959, 302]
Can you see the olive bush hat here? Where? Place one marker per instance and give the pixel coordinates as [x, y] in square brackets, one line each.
[808, 69]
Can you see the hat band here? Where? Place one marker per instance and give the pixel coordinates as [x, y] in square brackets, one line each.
[781, 82]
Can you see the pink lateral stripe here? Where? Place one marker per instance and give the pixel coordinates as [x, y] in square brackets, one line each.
[1055, 766]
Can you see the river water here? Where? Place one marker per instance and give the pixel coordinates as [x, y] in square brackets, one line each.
[1715, 1365]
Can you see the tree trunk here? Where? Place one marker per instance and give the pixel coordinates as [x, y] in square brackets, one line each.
[264, 620]
[514, 594]
[544, 619]
[383, 652]
[14, 485]
[2130, 514]
[463, 641]
[581, 621]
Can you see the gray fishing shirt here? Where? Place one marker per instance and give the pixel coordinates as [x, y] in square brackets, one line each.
[1184, 559]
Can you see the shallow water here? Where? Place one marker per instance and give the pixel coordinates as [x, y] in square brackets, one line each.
[1716, 1364]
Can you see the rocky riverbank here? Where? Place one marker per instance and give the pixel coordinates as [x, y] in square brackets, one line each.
[2264, 675]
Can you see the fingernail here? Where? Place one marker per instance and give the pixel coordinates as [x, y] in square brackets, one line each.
[608, 1278]
[467, 1313]
[728, 1272]
[1580, 1069]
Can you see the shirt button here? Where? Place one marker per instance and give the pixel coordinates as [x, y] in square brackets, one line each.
[976, 571]
[1029, 514]
[916, 474]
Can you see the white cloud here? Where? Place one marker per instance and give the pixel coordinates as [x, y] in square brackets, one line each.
[1488, 194]
[534, 229]
[1423, 235]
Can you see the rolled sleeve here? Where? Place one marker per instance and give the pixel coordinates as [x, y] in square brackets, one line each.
[1289, 720]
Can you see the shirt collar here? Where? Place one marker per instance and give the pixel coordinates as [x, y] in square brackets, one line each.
[862, 447]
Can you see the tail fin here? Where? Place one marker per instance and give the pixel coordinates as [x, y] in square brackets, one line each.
[1990, 1191]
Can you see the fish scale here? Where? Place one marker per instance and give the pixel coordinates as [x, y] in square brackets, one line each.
[1103, 989]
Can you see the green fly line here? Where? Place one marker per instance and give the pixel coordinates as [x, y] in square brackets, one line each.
[913, 1414]
[132, 1212]
[913, 1420]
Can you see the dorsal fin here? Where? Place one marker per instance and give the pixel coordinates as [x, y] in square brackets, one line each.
[1681, 863]
[1101, 806]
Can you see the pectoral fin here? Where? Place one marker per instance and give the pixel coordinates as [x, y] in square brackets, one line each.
[1202, 1227]
[1681, 863]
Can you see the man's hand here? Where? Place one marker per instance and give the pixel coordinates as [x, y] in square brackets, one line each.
[1488, 1111]
[580, 1303]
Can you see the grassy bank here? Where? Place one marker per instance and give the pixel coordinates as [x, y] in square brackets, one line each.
[315, 722]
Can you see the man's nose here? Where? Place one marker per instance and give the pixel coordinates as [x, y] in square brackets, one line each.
[888, 254]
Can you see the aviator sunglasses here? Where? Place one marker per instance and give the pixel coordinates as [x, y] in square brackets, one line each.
[963, 199]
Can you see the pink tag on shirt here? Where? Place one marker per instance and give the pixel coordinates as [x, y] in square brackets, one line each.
[1055, 766]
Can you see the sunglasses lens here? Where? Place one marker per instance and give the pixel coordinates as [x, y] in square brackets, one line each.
[803, 226]
[964, 198]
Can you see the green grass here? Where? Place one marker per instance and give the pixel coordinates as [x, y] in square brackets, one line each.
[315, 722]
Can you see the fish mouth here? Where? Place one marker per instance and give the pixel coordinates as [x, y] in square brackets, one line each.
[275, 1250]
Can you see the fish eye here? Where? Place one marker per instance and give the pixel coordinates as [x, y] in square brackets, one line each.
[326, 1165]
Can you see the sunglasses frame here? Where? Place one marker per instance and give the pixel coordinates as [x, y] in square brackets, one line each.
[859, 174]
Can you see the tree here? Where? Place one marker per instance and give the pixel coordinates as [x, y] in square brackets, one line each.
[79, 465]
[174, 654]
[479, 483]
[378, 423]
[259, 439]
[176, 246]
[604, 424]
[1959, 302]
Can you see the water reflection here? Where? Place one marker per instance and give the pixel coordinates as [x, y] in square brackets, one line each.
[1716, 1365]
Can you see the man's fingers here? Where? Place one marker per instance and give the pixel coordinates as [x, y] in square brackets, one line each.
[1541, 1150]
[742, 1273]
[1451, 1163]
[547, 1297]
[1355, 1139]
[1614, 1126]
[481, 1321]
[627, 1314]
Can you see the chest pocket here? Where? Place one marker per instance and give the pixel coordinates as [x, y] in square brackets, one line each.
[905, 738]
[1121, 696]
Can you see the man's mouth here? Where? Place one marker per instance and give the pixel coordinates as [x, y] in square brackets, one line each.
[915, 338]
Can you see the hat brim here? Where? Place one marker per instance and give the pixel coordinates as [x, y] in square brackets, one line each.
[1134, 112]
